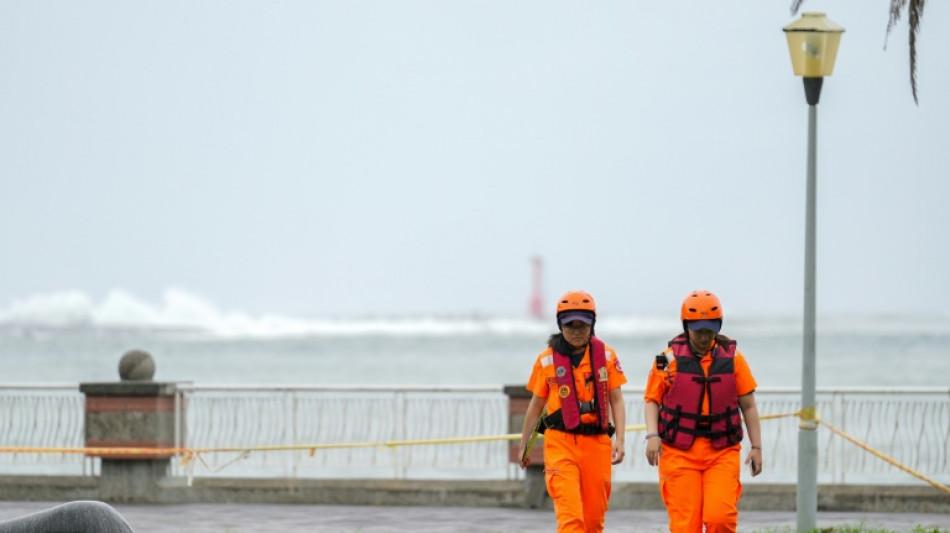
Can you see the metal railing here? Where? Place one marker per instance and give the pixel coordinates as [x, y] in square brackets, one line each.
[370, 424]
[43, 415]
[249, 417]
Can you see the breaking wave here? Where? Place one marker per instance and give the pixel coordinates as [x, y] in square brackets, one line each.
[182, 311]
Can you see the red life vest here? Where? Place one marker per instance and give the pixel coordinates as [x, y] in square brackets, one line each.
[568, 417]
[681, 420]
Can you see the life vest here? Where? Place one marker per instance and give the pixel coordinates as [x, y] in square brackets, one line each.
[568, 417]
[681, 420]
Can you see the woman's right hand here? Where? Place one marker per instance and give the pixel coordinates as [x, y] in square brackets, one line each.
[654, 450]
[526, 459]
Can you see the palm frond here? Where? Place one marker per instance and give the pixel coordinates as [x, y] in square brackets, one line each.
[916, 11]
[897, 6]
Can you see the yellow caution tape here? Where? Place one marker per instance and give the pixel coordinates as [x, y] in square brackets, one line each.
[808, 418]
[187, 459]
[782, 415]
[96, 451]
[880, 455]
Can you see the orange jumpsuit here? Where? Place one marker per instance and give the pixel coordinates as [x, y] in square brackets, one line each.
[700, 486]
[577, 468]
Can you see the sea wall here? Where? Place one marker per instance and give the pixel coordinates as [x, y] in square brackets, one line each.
[759, 497]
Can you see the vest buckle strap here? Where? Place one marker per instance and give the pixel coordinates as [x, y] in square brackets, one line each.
[593, 429]
[587, 407]
[555, 420]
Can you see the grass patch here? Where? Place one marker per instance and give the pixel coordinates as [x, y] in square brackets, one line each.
[862, 529]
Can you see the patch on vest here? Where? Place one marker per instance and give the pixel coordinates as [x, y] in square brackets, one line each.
[564, 391]
[560, 371]
[602, 374]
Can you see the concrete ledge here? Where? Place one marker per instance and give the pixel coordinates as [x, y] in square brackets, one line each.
[462, 493]
[362, 492]
[775, 497]
[129, 388]
[883, 499]
[48, 488]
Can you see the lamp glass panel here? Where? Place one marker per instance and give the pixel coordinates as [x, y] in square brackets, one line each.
[813, 53]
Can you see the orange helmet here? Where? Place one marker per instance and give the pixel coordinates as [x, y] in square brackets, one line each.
[701, 305]
[576, 305]
[576, 301]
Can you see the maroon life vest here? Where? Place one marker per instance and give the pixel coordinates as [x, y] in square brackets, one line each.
[568, 417]
[681, 420]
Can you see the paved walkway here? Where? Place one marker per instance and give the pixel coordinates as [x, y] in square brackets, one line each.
[248, 518]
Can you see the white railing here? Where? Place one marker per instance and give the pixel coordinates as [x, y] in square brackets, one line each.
[911, 425]
[250, 417]
[43, 415]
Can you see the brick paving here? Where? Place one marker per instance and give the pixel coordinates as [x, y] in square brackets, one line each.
[247, 518]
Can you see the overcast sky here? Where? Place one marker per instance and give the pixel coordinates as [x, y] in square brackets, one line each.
[352, 158]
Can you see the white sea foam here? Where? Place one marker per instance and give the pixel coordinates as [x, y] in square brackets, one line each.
[181, 310]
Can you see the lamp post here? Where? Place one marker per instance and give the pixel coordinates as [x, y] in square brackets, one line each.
[813, 44]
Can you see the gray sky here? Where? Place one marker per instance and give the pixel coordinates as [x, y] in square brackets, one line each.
[341, 158]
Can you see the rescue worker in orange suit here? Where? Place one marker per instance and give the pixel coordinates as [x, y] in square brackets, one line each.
[577, 379]
[694, 395]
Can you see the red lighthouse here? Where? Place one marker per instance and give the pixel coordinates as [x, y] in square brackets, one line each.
[536, 306]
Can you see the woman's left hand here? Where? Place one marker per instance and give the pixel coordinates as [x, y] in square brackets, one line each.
[618, 452]
[754, 460]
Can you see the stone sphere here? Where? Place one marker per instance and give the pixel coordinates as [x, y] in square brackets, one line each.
[136, 365]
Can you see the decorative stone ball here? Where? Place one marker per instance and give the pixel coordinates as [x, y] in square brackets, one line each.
[136, 365]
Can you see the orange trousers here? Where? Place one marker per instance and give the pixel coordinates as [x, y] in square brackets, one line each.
[577, 475]
[700, 486]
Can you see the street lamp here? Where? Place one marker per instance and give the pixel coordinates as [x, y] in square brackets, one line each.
[813, 44]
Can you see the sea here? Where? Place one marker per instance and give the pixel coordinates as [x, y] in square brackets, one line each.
[69, 338]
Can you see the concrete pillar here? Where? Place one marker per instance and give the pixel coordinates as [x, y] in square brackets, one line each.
[536, 493]
[132, 413]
